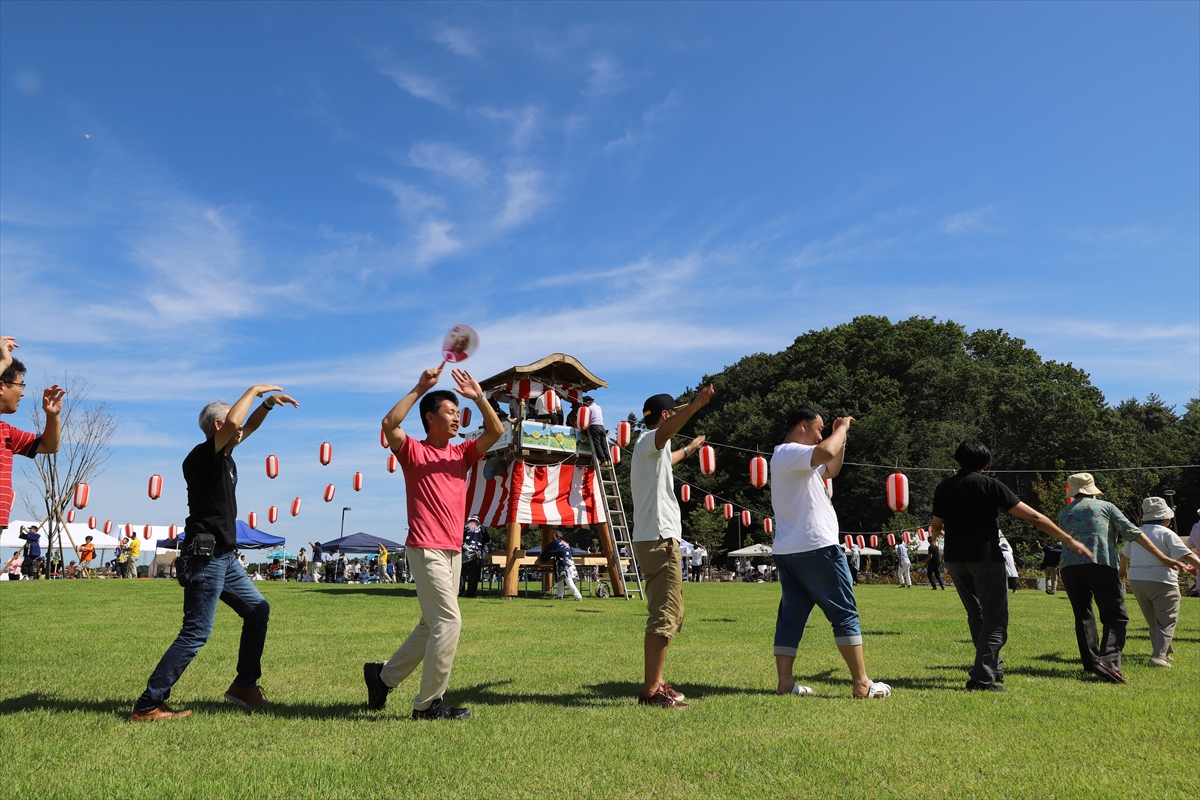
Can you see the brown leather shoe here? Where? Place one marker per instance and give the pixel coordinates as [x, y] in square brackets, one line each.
[671, 690]
[160, 711]
[246, 698]
[660, 699]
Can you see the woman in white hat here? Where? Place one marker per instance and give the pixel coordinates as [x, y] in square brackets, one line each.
[1156, 587]
[1099, 525]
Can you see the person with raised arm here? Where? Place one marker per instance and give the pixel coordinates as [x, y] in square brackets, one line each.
[813, 570]
[435, 479]
[657, 531]
[208, 567]
[14, 441]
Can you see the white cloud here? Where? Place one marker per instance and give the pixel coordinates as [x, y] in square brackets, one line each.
[651, 119]
[417, 85]
[457, 41]
[968, 221]
[448, 160]
[606, 77]
[525, 196]
[524, 122]
[435, 242]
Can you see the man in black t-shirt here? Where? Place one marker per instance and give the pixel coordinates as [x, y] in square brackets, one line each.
[965, 508]
[1050, 558]
[475, 550]
[208, 566]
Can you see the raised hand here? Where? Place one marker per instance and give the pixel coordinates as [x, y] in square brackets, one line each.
[428, 380]
[842, 422]
[703, 396]
[7, 345]
[52, 400]
[468, 387]
[280, 399]
[262, 388]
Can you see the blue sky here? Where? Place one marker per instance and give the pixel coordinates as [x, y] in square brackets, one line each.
[197, 197]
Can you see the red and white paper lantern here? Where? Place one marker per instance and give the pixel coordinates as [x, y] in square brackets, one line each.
[358, 481]
[392, 463]
[273, 514]
[897, 491]
[828, 487]
[624, 433]
[685, 493]
[330, 490]
[128, 530]
[849, 541]
[874, 540]
[907, 537]
[746, 519]
[729, 511]
[70, 515]
[326, 453]
[82, 493]
[891, 540]
[861, 542]
[708, 460]
[709, 503]
[295, 506]
[758, 472]
[583, 418]
[551, 402]
[383, 438]
[272, 467]
[464, 418]
[768, 526]
[154, 489]
[146, 531]
[108, 526]
[922, 534]
[92, 523]
[173, 532]
[616, 454]
[252, 519]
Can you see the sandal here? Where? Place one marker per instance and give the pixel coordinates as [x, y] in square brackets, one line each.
[803, 691]
[875, 691]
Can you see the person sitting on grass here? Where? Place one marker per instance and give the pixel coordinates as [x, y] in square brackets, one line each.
[812, 565]
[657, 531]
[435, 479]
[1102, 526]
[208, 566]
[965, 507]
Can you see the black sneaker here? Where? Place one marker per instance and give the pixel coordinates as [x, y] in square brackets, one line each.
[973, 686]
[1108, 672]
[439, 710]
[377, 690]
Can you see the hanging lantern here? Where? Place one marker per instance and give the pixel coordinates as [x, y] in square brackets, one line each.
[330, 490]
[82, 493]
[155, 487]
[897, 491]
[907, 537]
[758, 472]
[108, 526]
[326, 453]
[849, 542]
[173, 532]
[146, 532]
[252, 519]
[272, 514]
[624, 433]
[861, 543]
[358, 481]
[295, 506]
[729, 511]
[709, 503]
[685, 493]
[551, 401]
[128, 530]
[891, 540]
[828, 483]
[708, 460]
[922, 534]
[70, 515]
[746, 520]
[768, 526]
[92, 523]
[383, 438]
[272, 467]
[464, 418]
[583, 418]
[392, 463]
[616, 454]
[874, 540]
[1069, 498]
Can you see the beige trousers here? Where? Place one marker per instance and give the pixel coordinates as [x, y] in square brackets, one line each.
[1160, 606]
[435, 639]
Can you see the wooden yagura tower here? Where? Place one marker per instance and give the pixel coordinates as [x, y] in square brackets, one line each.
[538, 473]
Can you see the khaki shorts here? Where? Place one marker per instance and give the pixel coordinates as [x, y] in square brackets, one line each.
[660, 563]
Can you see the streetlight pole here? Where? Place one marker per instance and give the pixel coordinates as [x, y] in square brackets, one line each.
[344, 510]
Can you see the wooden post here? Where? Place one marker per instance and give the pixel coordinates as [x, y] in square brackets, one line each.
[547, 575]
[614, 560]
[511, 572]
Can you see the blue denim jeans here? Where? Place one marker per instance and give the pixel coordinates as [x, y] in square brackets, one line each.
[221, 578]
[983, 588]
[816, 578]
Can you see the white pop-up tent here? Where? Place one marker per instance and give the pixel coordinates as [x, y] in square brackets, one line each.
[78, 532]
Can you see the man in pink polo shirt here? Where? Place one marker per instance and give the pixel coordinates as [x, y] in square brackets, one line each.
[435, 475]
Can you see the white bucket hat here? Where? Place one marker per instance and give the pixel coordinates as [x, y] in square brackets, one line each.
[1082, 483]
[1156, 508]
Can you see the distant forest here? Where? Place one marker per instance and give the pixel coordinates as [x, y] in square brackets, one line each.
[917, 387]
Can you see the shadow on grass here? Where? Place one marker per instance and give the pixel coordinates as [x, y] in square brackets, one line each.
[588, 611]
[595, 695]
[122, 708]
[881, 633]
[717, 619]
[376, 590]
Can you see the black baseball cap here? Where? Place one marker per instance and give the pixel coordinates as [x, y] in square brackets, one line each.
[657, 403]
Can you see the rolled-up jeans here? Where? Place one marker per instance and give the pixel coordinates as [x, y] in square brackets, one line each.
[219, 578]
[983, 588]
[815, 578]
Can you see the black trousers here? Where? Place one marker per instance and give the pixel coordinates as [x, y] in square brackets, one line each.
[934, 572]
[1099, 582]
[983, 588]
[599, 441]
[470, 577]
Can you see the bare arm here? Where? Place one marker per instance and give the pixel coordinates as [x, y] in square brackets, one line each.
[7, 345]
[674, 423]
[832, 451]
[469, 388]
[1123, 569]
[1166, 560]
[391, 421]
[231, 429]
[1043, 524]
[688, 449]
[52, 404]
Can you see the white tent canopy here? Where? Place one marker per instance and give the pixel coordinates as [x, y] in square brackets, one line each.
[77, 530]
[752, 550]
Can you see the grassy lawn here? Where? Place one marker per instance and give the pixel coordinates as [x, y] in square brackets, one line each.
[552, 686]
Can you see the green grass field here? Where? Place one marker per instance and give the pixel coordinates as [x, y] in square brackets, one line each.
[552, 687]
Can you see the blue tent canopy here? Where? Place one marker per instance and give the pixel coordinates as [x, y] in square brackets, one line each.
[247, 539]
[360, 543]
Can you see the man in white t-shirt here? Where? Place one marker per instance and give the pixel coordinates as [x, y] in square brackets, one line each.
[657, 530]
[698, 556]
[596, 431]
[904, 566]
[812, 565]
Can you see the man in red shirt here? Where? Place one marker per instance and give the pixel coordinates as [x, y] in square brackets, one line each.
[435, 476]
[12, 440]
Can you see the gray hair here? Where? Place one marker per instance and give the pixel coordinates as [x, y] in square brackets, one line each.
[212, 412]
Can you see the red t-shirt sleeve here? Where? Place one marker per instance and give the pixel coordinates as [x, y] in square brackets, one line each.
[23, 443]
[470, 452]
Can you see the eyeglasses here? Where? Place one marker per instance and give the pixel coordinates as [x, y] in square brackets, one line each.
[14, 383]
